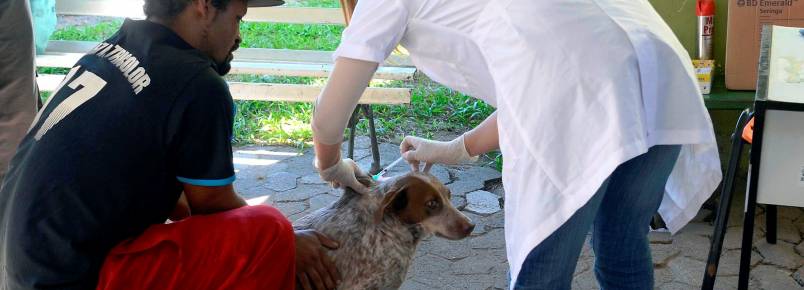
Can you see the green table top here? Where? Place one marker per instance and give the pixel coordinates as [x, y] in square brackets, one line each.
[724, 99]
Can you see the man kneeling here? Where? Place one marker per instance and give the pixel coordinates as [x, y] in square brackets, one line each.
[141, 118]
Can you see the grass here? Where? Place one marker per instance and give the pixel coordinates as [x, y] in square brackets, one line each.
[291, 36]
[434, 112]
[97, 32]
[315, 3]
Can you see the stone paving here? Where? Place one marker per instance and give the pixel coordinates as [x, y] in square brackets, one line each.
[284, 177]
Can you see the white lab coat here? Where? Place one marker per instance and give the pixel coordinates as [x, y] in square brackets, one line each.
[580, 87]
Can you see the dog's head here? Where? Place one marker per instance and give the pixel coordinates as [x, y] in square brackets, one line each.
[420, 198]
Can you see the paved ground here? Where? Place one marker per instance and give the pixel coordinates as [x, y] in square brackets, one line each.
[284, 177]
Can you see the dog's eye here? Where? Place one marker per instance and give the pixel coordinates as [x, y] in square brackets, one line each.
[433, 204]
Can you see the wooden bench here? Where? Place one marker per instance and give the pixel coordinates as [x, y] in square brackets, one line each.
[255, 61]
[277, 62]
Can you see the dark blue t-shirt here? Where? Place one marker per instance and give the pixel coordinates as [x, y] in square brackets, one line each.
[137, 116]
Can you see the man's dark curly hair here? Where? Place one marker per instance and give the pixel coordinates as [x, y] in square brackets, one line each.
[167, 9]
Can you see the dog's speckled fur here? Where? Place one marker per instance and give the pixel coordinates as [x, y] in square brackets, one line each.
[376, 244]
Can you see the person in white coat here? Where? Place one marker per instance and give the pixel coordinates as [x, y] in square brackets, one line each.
[598, 116]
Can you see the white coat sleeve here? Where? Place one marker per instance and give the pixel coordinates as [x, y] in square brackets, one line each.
[335, 104]
[376, 28]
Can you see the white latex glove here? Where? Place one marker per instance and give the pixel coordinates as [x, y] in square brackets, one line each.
[416, 150]
[342, 174]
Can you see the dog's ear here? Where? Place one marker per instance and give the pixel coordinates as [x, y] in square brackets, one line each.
[405, 198]
[397, 191]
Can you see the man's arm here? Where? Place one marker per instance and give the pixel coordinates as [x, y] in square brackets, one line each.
[212, 199]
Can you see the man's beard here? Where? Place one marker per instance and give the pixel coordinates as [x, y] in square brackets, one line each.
[224, 67]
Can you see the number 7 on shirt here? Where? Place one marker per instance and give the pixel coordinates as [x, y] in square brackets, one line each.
[90, 84]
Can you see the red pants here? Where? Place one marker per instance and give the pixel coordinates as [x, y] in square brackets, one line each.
[251, 247]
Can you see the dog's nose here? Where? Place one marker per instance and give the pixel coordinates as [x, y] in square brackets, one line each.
[468, 228]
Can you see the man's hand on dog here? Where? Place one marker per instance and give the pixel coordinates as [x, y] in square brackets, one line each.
[314, 269]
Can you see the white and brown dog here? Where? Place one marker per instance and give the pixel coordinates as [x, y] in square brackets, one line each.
[379, 232]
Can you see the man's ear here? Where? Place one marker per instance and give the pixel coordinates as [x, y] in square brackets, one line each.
[203, 8]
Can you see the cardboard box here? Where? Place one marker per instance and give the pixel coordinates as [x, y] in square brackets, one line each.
[746, 18]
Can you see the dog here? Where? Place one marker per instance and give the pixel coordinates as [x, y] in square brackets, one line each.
[378, 232]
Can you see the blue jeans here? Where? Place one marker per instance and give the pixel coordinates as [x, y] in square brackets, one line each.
[619, 214]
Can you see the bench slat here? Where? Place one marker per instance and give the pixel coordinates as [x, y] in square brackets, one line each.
[68, 60]
[314, 70]
[133, 9]
[295, 15]
[121, 8]
[63, 60]
[243, 54]
[65, 54]
[306, 56]
[308, 93]
[275, 92]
